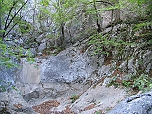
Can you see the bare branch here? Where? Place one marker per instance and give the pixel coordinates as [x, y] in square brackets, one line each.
[9, 14]
[15, 16]
[104, 2]
[11, 28]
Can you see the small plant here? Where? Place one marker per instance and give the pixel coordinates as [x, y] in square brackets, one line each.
[98, 112]
[74, 98]
[114, 82]
[143, 82]
[140, 82]
[105, 44]
[6, 85]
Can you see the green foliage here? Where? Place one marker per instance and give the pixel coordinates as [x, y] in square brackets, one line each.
[114, 82]
[142, 25]
[9, 10]
[8, 52]
[63, 10]
[52, 50]
[60, 13]
[74, 98]
[97, 112]
[140, 82]
[5, 53]
[145, 35]
[44, 13]
[45, 2]
[104, 45]
[24, 26]
[6, 85]
[2, 88]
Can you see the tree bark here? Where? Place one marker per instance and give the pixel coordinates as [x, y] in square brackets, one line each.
[62, 35]
[97, 16]
[1, 34]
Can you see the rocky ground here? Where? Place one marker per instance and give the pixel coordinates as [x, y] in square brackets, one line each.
[95, 99]
[92, 101]
[73, 82]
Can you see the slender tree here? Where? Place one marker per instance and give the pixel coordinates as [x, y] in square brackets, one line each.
[9, 10]
[62, 12]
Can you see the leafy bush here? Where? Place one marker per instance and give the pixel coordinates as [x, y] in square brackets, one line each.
[105, 44]
[138, 83]
[8, 53]
[74, 98]
[143, 83]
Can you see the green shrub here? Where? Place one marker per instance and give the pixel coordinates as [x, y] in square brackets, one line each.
[74, 98]
[140, 82]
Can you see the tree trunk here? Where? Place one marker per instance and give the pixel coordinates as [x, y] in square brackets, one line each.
[62, 38]
[97, 17]
[7, 24]
[0, 23]
[1, 34]
[116, 13]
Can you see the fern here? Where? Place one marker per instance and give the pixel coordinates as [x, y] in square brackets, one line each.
[143, 25]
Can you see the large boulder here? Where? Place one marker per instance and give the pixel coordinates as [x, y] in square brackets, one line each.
[39, 93]
[12, 102]
[98, 98]
[72, 64]
[6, 75]
[137, 104]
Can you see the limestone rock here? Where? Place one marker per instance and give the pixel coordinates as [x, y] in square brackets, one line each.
[6, 75]
[33, 51]
[12, 102]
[104, 70]
[42, 47]
[40, 38]
[137, 104]
[147, 60]
[94, 99]
[30, 72]
[68, 66]
[53, 91]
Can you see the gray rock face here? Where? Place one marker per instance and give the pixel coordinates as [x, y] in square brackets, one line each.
[40, 38]
[137, 104]
[30, 72]
[70, 65]
[12, 103]
[42, 47]
[53, 91]
[75, 64]
[6, 75]
[144, 61]
[147, 58]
